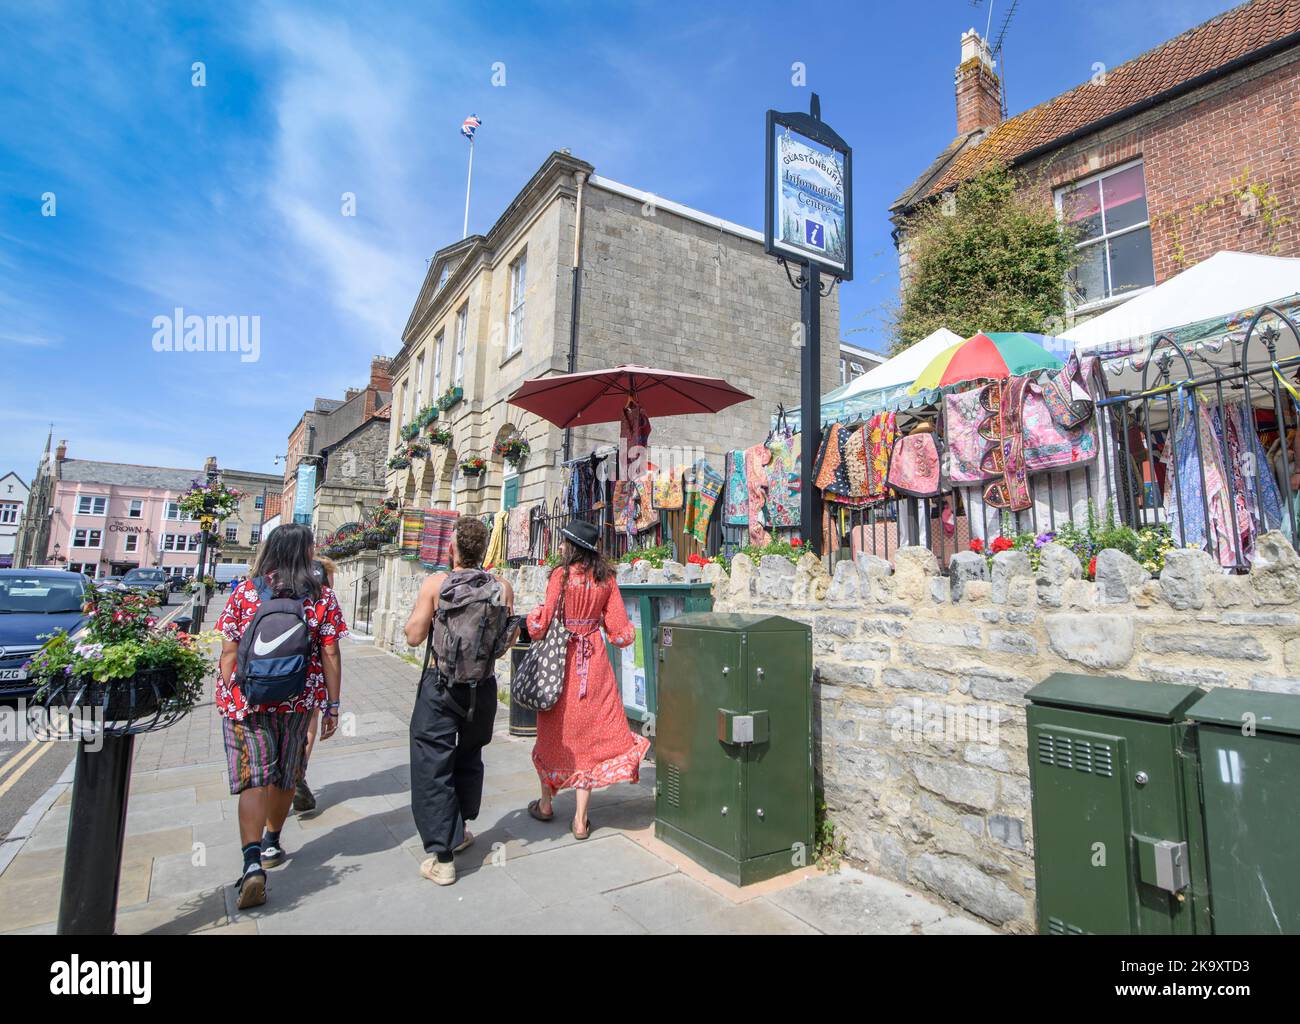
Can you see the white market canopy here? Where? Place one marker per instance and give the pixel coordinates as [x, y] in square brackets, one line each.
[1201, 307]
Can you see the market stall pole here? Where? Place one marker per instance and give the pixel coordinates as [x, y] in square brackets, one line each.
[808, 221]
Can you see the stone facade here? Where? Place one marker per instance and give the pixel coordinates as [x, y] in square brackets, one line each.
[919, 680]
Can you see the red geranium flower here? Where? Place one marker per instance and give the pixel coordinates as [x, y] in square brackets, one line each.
[796, 542]
[977, 546]
[1092, 567]
[1002, 544]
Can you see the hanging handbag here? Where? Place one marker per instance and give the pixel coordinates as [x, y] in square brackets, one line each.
[539, 680]
[914, 465]
[1068, 401]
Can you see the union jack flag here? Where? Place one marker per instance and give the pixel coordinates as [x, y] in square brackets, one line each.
[469, 126]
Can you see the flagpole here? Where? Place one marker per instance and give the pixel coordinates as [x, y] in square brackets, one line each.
[464, 232]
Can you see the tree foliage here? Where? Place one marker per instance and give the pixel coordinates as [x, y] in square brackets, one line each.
[991, 256]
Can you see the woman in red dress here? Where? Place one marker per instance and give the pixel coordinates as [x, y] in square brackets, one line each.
[584, 741]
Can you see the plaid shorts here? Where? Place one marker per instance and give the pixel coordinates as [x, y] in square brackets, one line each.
[266, 749]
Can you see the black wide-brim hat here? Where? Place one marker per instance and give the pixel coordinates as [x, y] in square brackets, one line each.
[584, 534]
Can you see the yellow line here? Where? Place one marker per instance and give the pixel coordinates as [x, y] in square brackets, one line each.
[17, 757]
[41, 751]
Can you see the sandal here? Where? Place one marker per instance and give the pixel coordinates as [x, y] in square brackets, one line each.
[535, 811]
[583, 835]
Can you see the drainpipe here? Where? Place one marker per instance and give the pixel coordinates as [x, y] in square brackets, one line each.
[576, 305]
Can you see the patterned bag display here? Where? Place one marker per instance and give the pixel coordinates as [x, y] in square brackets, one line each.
[668, 493]
[964, 447]
[539, 680]
[1050, 445]
[1067, 399]
[914, 466]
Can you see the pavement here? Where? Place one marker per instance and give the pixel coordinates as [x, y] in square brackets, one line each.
[353, 864]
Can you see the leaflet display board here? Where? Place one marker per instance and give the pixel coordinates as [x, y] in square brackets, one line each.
[635, 666]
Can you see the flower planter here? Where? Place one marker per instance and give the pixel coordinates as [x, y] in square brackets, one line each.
[451, 397]
[117, 700]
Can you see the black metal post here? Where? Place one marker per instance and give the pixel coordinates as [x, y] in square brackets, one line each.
[92, 863]
[810, 405]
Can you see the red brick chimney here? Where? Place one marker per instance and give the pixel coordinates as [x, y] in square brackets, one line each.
[979, 93]
[381, 379]
[61, 452]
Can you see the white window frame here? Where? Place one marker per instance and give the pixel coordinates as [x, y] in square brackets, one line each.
[8, 513]
[131, 543]
[419, 385]
[135, 508]
[94, 501]
[518, 292]
[232, 535]
[1105, 237]
[439, 345]
[174, 513]
[87, 535]
[254, 534]
[401, 410]
[462, 333]
[193, 541]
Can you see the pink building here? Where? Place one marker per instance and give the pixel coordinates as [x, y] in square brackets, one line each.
[108, 517]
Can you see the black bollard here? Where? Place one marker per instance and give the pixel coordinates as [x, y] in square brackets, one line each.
[92, 863]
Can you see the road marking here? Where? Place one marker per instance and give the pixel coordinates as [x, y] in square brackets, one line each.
[17, 757]
[41, 751]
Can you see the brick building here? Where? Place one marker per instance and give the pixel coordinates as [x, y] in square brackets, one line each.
[1183, 151]
[658, 284]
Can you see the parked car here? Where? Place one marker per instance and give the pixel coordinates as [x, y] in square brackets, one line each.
[147, 581]
[108, 582]
[33, 603]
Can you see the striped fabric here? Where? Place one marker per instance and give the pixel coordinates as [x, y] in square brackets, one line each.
[265, 749]
[412, 528]
[435, 539]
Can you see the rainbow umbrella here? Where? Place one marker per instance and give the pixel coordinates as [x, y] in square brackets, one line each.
[994, 356]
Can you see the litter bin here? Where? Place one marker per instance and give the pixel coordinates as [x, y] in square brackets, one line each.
[1249, 764]
[733, 735]
[523, 721]
[1116, 837]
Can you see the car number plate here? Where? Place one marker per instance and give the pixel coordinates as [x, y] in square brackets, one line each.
[11, 675]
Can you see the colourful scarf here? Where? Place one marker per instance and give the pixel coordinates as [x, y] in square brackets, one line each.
[881, 434]
[756, 460]
[708, 485]
[1003, 403]
[435, 538]
[735, 509]
[517, 534]
[668, 489]
[783, 480]
[412, 527]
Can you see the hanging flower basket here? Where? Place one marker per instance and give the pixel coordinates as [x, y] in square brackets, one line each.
[453, 395]
[417, 450]
[427, 415]
[441, 436]
[214, 501]
[398, 462]
[513, 449]
[410, 432]
[473, 466]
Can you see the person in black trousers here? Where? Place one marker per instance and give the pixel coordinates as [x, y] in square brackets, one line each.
[447, 746]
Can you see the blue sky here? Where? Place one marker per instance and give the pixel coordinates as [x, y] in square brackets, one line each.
[226, 199]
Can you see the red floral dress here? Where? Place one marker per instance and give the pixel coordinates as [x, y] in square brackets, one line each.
[584, 741]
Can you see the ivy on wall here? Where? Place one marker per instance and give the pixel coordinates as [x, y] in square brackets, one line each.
[1252, 200]
[990, 256]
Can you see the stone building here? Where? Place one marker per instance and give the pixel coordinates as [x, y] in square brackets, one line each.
[657, 283]
[1183, 151]
[13, 499]
[338, 449]
[240, 535]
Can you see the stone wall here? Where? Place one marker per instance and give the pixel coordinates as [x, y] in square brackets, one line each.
[919, 680]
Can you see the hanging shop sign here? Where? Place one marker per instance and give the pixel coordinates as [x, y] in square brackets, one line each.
[304, 494]
[809, 216]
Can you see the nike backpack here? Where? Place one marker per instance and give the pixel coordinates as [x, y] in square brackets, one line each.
[274, 650]
[469, 632]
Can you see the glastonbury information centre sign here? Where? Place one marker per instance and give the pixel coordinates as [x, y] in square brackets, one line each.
[809, 194]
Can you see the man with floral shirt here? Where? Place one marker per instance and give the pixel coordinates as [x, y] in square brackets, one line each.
[265, 744]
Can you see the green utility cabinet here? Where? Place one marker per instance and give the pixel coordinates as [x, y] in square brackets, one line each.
[734, 786]
[635, 666]
[1116, 841]
[1250, 795]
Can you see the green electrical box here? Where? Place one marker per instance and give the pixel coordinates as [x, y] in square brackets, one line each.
[733, 740]
[1116, 841]
[1250, 795]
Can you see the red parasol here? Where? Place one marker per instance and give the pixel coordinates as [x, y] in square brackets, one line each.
[598, 396]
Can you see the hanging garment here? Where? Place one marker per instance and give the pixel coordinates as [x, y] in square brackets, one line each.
[412, 528]
[708, 485]
[882, 431]
[735, 506]
[1194, 526]
[647, 518]
[1066, 396]
[756, 460]
[668, 493]
[496, 546]
[963, 445]
[828, 457]
[783, 480]
[1003, 403]
[914, 465]
[518, 534]
[625, 507]
[435, 539]
[634, 433]
[1266, 499]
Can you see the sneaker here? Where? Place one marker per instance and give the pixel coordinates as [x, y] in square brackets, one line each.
[465, 843]
[439, 872]
[252, 888]
[272, 853]
[303, 798]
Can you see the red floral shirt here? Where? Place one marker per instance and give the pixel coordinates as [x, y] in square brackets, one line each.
[324, 620]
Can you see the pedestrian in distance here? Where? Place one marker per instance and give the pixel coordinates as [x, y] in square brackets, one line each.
[584, 742]
[465, 620]
[279, 665]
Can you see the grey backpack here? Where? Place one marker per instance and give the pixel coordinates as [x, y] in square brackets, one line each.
[469, 633]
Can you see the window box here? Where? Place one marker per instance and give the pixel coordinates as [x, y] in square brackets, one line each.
[451, 398]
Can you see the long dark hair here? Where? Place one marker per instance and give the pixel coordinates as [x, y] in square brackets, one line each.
[285, 560]
[596, 564]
